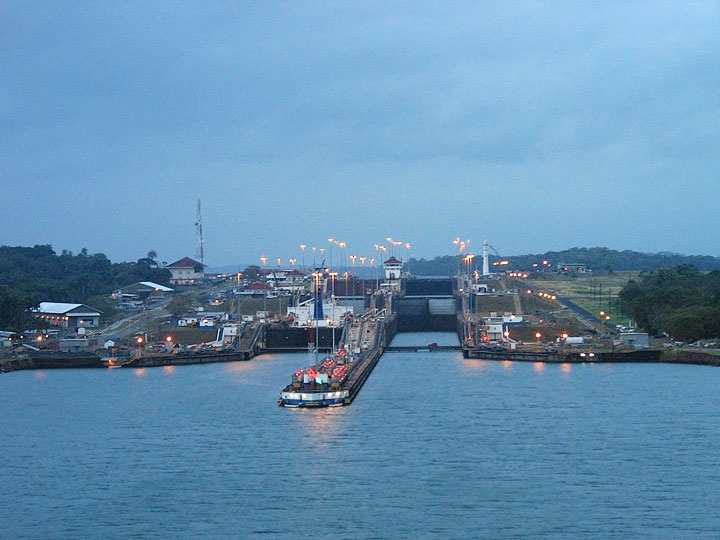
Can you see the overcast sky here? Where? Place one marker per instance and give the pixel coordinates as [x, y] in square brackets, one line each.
[536, 126]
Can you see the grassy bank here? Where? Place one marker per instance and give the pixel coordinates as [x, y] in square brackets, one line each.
[596, 292]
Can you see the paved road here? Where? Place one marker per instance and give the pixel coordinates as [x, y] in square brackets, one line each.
[130, 325]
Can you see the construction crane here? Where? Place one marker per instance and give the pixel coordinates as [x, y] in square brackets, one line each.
[198, 228]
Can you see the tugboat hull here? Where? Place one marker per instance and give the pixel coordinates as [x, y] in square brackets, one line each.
[334, 398]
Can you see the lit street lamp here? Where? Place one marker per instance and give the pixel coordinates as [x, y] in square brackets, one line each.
[352, 258]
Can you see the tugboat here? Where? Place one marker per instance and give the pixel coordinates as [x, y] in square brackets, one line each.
[318, 386]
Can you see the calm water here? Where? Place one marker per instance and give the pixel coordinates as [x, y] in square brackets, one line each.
[435, 446]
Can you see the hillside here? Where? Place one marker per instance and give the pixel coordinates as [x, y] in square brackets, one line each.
[29, 275]
[597, 258]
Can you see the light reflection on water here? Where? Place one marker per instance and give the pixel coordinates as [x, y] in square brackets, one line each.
[435, 446]
[472, 364]
[322, 424]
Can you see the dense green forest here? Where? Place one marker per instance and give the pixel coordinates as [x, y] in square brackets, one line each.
[30, 275]
[598, 259]
[681, 301]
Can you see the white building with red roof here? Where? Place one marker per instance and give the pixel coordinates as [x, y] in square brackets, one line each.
[186, 271]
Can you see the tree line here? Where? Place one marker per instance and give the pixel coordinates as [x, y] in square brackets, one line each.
[681, 301]
[30, 275]
[597, 258]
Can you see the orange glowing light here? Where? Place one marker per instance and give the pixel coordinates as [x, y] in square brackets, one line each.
[567, 368]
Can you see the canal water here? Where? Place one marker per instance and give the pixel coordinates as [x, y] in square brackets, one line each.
[435, 446]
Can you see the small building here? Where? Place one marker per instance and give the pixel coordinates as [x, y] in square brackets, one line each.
[295, 276]
[71, 316]
[480, 288]
[144, 290]
[73, 345]
[208, 319]
[256, 288]
[572, 268]
[393, 269]
[7, 338]
[186, 271]
[639, 340]
[276, 276]
[393, 273]
[496, 327]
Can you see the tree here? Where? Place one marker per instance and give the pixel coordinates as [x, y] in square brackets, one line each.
[178, 306]
[13, 305]
[252, 272]
[680, 300]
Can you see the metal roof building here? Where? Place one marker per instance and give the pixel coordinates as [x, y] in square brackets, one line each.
[66, 315]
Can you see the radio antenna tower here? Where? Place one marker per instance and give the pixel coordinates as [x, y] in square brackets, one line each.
[198, 228]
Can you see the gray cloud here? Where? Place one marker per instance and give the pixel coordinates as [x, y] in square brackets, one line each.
[539, 126]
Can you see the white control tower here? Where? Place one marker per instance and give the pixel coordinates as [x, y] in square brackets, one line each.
[486, 259]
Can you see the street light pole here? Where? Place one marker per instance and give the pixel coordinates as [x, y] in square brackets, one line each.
[263, 258]
[352, 258]
[332, 297]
